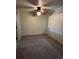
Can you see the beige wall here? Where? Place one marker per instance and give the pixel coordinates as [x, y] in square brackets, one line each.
[32, 25]
[55, 27]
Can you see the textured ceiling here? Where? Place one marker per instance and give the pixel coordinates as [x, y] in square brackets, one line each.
[55, 4]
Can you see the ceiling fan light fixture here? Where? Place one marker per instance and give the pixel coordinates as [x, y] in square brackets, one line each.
[38, 13]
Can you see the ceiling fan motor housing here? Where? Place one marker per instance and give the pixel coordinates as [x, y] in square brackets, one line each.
[38, 8]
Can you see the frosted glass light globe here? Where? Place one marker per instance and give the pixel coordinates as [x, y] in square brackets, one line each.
[38, 13]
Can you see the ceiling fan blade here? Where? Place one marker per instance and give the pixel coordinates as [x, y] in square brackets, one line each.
[24, 3]
[52, 8]
[45, 7]
[30, 9]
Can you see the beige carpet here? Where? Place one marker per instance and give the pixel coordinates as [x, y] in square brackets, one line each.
[38, 47]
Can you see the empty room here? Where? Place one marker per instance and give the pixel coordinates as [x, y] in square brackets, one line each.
[39, 29]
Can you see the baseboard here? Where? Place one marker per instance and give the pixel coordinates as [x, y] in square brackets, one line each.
[43, 34]
[32, 35]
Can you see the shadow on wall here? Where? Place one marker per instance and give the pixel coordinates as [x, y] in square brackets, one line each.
[55, 27]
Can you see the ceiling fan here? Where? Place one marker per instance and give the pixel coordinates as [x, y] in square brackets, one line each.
[38, 9]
